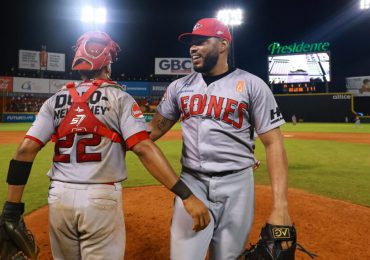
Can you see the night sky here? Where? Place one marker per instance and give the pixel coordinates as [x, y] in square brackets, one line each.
[147, 29]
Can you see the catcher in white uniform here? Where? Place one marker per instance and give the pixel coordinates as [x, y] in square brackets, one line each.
[92, 124]
[219, 107]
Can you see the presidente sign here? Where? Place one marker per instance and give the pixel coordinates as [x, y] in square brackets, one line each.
[276, 48]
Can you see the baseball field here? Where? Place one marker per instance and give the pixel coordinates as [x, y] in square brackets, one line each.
[329, 196]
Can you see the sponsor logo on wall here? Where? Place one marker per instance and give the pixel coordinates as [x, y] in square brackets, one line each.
[6, 84]
[36, 60]
[173, 66]
[30, 85]
[18, 118]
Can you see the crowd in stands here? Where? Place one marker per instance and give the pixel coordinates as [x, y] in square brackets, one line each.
[148, 105]
[75, 76]
[29, 103]
[24, 103]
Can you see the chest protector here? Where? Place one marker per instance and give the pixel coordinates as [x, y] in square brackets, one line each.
[80, 119]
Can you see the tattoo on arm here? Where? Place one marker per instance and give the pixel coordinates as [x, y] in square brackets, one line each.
[160, 125]
[163, 124]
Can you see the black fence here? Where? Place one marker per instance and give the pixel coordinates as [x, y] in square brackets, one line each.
[331, 107]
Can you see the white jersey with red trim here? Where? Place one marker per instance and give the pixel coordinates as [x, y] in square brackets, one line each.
[91, 158]
[217, 119]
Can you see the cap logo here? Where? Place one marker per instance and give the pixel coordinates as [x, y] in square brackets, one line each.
[197, 26]
[219, 32]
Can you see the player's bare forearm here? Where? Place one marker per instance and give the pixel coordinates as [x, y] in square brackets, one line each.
[277, 164]
[15, 193]
[159, 126]
[26, 152]
[155, 162]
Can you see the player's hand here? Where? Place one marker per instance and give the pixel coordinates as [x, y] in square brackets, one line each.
[256, 165]
[198, 211]
[280, 216]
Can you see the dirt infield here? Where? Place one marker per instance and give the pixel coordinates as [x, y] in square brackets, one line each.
[333, 229]
[340, 137]
[13, 137]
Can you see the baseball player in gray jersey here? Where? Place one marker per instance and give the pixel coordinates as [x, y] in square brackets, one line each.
[93, 124]
[219, 107]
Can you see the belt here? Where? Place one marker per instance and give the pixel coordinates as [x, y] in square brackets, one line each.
[106, 183]
[215, 174]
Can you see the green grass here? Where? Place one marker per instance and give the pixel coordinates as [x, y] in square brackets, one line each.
[334, 169]
[318, 127]
[35, 194]
[326, 127]
[288, 127]
[14, 126]
[137, 174]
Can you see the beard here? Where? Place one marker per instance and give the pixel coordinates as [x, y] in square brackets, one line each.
[210, 61]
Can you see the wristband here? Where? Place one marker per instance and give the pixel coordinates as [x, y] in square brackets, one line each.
[18, 172]
[181, 190]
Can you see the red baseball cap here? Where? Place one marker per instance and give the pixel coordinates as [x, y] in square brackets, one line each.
[210, 27]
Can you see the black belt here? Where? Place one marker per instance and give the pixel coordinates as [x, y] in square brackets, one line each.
[215, 174]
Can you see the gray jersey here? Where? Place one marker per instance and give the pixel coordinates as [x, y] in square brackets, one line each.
[217, 120]
[91, 158]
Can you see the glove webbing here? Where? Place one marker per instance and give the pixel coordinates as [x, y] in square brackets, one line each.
[310, 254]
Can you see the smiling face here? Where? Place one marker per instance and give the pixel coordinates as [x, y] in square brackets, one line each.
[206, 53]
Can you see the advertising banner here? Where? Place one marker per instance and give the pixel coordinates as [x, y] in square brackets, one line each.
[18, 117]
[30, 85]
[6, 84]
[158, 89]
[136, 88]
[57, 84]
[359, 86]
[29, 60]
[56, 61]
[173, 66]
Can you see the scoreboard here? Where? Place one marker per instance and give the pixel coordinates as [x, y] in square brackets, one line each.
[299, 68]
[297, 88]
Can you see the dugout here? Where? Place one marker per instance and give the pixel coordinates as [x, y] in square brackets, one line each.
[323, 107]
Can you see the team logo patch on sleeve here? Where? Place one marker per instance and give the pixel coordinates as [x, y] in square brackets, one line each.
[240, 86]
[136, 111]
[275, 115]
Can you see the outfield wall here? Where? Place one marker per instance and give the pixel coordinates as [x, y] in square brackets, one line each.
[362, 105]
[21, 98]
[325, 107]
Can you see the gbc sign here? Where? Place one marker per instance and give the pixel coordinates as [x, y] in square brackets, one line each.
[173, 66]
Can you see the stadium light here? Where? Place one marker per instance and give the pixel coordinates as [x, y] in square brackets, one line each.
[231, 17]
[101, 14]
[93, 15]
[364, 4]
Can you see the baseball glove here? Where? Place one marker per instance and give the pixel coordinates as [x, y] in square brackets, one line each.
[16, 241]
[269, 246]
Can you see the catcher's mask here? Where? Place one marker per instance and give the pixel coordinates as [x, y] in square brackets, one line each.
[94, 50]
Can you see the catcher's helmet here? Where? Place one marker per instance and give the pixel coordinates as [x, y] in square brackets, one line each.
[94, 50]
